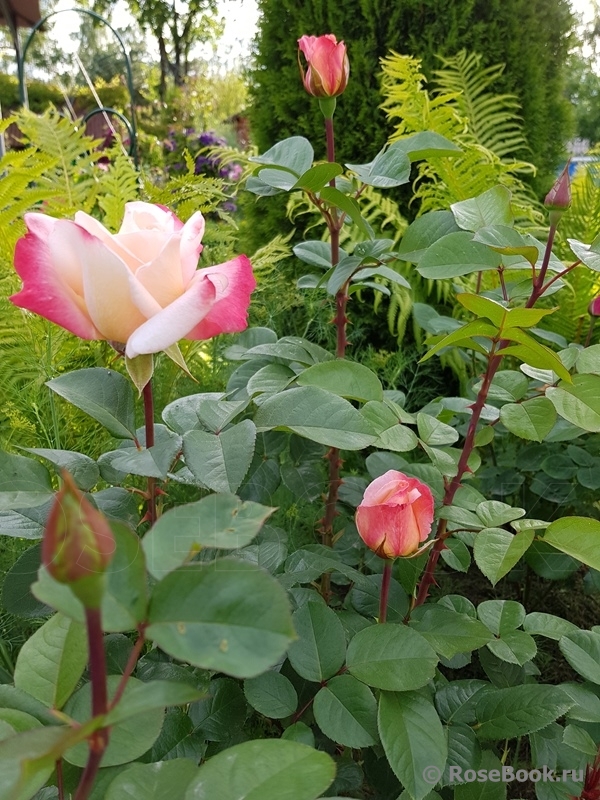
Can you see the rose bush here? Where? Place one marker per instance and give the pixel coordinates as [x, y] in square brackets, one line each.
[395, 515]
[139, 287]
[328, 65]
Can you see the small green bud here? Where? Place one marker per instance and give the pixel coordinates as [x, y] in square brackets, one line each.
[78, 543]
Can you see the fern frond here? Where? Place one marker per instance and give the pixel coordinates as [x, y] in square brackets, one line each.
[118, 185]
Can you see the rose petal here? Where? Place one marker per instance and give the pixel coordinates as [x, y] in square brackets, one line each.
[229, 314]
[385, 487]
[47, 259]
[109, 289]
[176, 321]
[141, 216]
[191, 247]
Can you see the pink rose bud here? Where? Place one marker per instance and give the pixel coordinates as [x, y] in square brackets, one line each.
[559, 196]
[395, 515]
[78, 543]
[594, 307]
[328, 65]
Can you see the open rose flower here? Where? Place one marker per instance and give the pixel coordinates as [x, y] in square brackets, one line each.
[328, 66]
[139, 287]
[395, 514]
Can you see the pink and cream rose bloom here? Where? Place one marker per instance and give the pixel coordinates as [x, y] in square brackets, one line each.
[139, 288]
[395, 514]
[328, 67]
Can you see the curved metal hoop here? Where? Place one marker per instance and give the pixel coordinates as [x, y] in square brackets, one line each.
[114, 113]
[130, 124]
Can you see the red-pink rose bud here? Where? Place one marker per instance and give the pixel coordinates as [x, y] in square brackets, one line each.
[395, 515]
[594, 307]
[78, 543]
[559, 196]
[328, 66]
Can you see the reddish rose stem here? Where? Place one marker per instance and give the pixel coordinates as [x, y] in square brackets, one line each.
[494, 361]
[149, 425]
[99, 739]
[130, 666]
[340, 321]
[385, 590]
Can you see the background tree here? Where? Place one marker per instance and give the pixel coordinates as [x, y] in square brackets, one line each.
[177, 27]
[532, 37]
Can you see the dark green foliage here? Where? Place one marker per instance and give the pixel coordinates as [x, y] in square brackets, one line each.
[530, 36]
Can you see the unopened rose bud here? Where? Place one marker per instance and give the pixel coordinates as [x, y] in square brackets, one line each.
[328, 66]
[78, 543]
[594, 307]
[558, 198]
[395, 515]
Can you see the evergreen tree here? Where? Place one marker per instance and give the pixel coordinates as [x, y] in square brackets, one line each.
[532, 37]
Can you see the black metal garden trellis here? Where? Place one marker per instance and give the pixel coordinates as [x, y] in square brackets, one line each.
[130, 124]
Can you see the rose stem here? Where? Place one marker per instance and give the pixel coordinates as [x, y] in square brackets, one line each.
[340, 321]
[149, 423]
[494, 362]
[99, 739]
[385, 590]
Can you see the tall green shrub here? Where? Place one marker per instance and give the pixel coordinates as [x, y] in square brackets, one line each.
[531, 37]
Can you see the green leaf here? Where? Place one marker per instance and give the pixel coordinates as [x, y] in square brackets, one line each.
[497, 551]
[125, 598]
[515, 647]
[462, 335]
[320, 649]
[349, 206]
[221, 712]
[221, 461]
[16, 588]
[266, 769]
[144, 697]
[486, 790]
[390, 168]
[533, 419]
[346, 712]
[508, 241]
[579, 401]
[435, 433]
[490, 208]
[533, 353]
[587, 703]
[588, 360]
[464, 751]
[391, 434]
[24, 483]
[84, 469]
[315, 253]
[317, 415]
[390, 656]
[104, 394]
[448, 631]
[271, 694]
[164, 780]
[207, 411]
[52, 661]
[582, 651]
[586, 254]
[512, 712]
[580, 740]
[576, 536]
[278, 178]
[220, 521]
[10, 697]
[501, 616]
[456, 554]
[423, 232]
[508, 386]
[539, 623]
[295, 154]
[128, 739]
[344, 378]
[455, 701]
[456, 254]
[413, 739]
[427, 144]
[493, 513]
[270, 379]
[227, 615]
[315, 178]
[150, 462]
